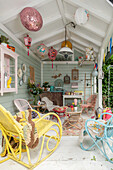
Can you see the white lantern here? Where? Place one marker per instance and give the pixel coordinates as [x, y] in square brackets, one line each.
[81, 16]
[95, 73]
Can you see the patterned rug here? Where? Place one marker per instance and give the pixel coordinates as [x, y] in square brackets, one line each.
[72, 126]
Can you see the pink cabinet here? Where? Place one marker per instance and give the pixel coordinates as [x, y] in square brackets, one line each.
[8, 70]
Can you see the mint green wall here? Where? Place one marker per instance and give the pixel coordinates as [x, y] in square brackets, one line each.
[77, 54]
[7, 99]
[64, 69]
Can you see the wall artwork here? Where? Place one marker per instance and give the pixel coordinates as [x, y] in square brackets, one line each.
[75, 74]
[66, 79]
[55, 76]
[32, 73]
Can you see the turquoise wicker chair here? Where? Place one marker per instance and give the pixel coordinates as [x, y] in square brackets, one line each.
[101, 132]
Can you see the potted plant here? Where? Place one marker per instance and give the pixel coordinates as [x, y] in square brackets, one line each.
[35, 90]
[4, 40]
[46, 85]
[74, 106]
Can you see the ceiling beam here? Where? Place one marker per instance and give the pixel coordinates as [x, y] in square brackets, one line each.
[14, 14]
[60, 40]
[11, 35]
[62, 12]
[79, 47]
[47, 36]
[84, 44]
[88, 27]
[55, 42]
[100, 15]
[45, 23]
[93, 41]
[80, 51]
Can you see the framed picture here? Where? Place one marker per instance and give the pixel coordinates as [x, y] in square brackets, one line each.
[66, 79]
[75, 74]
[32, 73]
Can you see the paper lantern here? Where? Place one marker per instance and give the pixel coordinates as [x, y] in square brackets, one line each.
[31, 19]
[42, 50]
[66, 44]
[52, 54]
[81, 16]
[27, 41]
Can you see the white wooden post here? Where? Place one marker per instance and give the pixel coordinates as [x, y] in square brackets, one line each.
[100, 60]
[42, 73]
[95, 85]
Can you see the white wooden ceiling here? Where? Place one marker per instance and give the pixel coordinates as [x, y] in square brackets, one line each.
[55, 14]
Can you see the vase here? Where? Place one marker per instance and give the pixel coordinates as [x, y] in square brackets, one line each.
[45, 89]
[4, 44]
[75, 108]
[72, 109]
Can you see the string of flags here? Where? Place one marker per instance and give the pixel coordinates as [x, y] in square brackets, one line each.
[108, 49]
[96, 66]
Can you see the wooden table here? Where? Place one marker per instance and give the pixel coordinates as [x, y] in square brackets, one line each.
[69, 112]
[74, 119]
[38, 107]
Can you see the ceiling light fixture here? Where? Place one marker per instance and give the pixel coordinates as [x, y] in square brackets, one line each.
[66, 50]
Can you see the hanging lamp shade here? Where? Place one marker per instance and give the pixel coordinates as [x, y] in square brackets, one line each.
[27, 41]
[66, 50]
[52, 54]
[42, 50]
[66, 44]
[66, 47]
[31, 19]
[81, 16]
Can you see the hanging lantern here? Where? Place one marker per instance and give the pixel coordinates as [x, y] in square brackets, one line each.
[27, 41]
[81, 16]
[31, 19]
[52, 54]
[94, 73]
[42, 50]
[66, 44]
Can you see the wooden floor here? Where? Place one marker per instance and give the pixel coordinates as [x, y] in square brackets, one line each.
[68, 156]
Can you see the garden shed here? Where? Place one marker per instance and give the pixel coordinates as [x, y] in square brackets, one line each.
[56, 49]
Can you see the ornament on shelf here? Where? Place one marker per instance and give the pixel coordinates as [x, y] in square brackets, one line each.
[80, 60]
[89, 53]
[27, 41]
[42, 50]
[31, 19]
[52, 54]
[81, 16]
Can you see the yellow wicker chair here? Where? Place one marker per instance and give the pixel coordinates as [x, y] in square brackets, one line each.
[11, 128]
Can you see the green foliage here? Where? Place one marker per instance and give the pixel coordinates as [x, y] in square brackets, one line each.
[4, 39]
[94, 159]
[46, 84]
[105, 81]
[34, 89]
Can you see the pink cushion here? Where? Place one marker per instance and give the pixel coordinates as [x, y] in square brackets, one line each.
[60, 109]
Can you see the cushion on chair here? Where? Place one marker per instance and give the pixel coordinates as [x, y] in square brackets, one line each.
[29, 129]
[60, 109]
